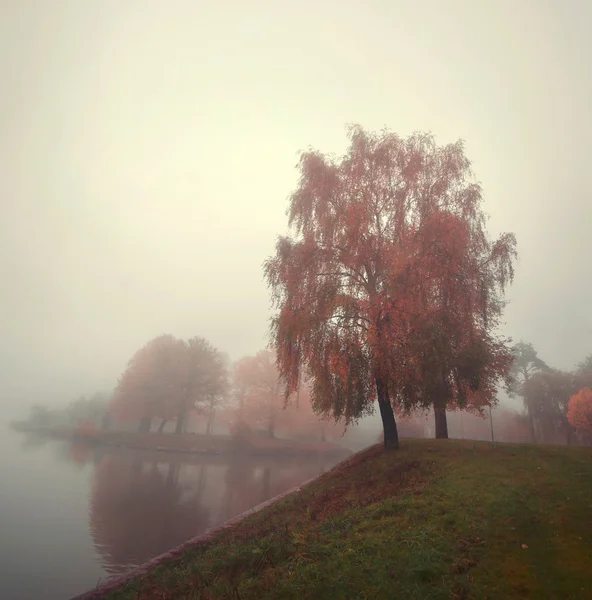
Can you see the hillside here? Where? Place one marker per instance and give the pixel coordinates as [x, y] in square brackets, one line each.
[437, 519]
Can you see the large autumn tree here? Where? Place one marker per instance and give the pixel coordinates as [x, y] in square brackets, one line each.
[389, 252]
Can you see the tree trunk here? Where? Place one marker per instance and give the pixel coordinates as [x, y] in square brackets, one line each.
[440, 419]
[180, 421]
[145, 425]
[161, 426]
[533, 438]
[271, 428]
[389, 425]
[210, 426]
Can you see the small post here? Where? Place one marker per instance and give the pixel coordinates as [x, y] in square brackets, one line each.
[491, 425]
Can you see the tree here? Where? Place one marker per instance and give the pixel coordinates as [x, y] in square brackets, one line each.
[301, 421]
[547, 393]
[94, 409]
[583, 373]
[41, 416]
[240, 385]
[154, 383]
[386, 238]
[579, 412]
[526, 363]
[207, 381]
[258, 379]
[168, 378]
[458, 370]
[585, 366]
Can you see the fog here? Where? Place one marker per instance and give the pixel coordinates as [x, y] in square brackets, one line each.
[148, 149]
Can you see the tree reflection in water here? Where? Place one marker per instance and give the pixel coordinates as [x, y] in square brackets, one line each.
[142, 504]
[140, 509]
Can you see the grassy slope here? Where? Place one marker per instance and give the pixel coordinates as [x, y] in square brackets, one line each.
[437, 519]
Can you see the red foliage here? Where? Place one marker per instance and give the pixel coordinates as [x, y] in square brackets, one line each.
[153, 383]
[168, 377]
[579, 412]
[390, 279]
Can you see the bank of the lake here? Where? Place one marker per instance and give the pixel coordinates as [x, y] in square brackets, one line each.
[255, 445]
[439, 519]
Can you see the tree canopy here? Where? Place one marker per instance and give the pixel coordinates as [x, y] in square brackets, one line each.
[389, 287]
[167, 378]
[525, 364]
[579, 412]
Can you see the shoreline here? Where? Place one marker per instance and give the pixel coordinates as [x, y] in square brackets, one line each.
[191, 444]
[112, 583]
[424, 520]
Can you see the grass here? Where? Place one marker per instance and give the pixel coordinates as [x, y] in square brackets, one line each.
[435, 520]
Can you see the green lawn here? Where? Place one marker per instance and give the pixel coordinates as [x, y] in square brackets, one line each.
[436, 519]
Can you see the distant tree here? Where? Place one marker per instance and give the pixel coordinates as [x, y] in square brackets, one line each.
[239, 387]
[301, 421]
[93, 409]
[262, 397]
[168, 378]
[511, 426]
[390, 254]
[40, 416]
[526, 364]
[154, 383]
[583, 374]
[579, 412]
[547, 393]
[207, 384]
[585, 366]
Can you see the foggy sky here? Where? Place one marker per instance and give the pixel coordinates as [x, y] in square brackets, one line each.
[148, 148]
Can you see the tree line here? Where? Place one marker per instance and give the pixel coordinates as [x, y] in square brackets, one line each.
[173, 380]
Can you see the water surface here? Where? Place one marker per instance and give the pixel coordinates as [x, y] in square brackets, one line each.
[72, 515]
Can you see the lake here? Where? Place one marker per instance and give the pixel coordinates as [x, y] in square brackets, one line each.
[72, 515]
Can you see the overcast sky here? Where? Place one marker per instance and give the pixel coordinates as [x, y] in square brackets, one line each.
[148, 148]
